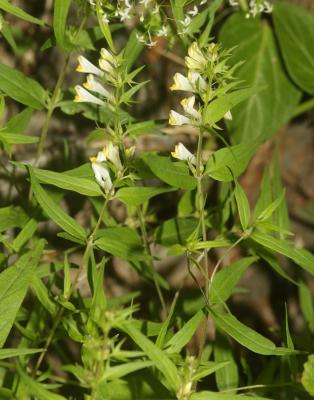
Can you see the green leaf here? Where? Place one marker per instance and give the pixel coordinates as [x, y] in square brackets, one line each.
[14, 282]
[37, 389]
[118, 371]
[246, 336]
[184, 335]
[269, 210]
[20, 121]
[175, 174]
[12, 217]
[161, 361]
[122, 242]
[216, 110]
[208, 368]
[26, 233]
[21, 88]
[175, 231]
[265, 195]
[223, 396]
[294, 27]
[79, 185]
[228, 163]
[9, 353]
[42, 294]
[300, 256]
[104, 26]
[266, 111]
[306, 303]
[132, 49]
[60, 13]
[137, 195]
[308, 375]
[226, 279]
[165, 326]
[243, 206]
[56, 213]
[5, 5]
[228, 377]
[16, 138]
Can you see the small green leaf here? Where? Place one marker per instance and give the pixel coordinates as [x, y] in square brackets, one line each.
[269, 210]
[308, 375]
[223, 396]
[243, 206]
[60, 13]
[26, 233]
[165, 326]
[20, 121]
[228, 377]
[161, 361]
[5, 5]
[118, 371]
[21, 88]
[137, 195]
[175, 231]
[307, 306]
[10, 353]
[16, 138]
[55, 212]
[175, 174]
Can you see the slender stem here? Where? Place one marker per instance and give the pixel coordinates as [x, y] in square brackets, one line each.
[60, 312]
[146, 243]
[303, 107]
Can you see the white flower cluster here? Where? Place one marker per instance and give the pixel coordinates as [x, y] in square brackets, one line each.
[110, 154]
[189, 15]
[255, 7]
[98, 79]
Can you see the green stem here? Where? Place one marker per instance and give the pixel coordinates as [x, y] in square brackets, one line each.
[243, 4]
[146, 244]
[303, 107]
[60, 312]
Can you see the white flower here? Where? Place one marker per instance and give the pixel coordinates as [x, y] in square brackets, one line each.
[195, 59]
[102, 175]
[83, 96]
[233, 2]
[105, 19]
[181, 83]
[193, 12]
[112, 154]
[106, 55]
[95, 86]
[188, 106]
[125, 14]
[228, 116]
[87, 67]
[140, 38]
[203, 2]
[197, 81]
[182, 153]
[178, 119]
[156, 9]
[162, 32]
[186, 22]
[268, 8]
[106, 66]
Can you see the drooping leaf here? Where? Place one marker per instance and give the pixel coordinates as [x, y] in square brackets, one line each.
[294, 27]
[21, 88]
[137, 195]
[266, 111]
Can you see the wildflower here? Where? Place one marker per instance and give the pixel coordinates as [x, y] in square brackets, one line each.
[162, 32]
[197, 81]
[106, 66]
[106, 55]
[95, 86]
[87, 67]
[181, 83]
[112, 154]
[105, 19]
[195, 59]
[228, 116]
[182, 153]
[83, 96]
[188, 106]
[193, 12]
[178, 119]
[101, 172]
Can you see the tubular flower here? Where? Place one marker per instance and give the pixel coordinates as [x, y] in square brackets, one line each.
[112, 154]
[83, 96]
[195, 59]
[178, 119]
[228, 116]
[181, 83]
[95, 86]
[101, 172]
[87, 67]
[182, 153]
[188, 106]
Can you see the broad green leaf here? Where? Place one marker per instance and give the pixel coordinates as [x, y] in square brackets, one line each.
[14, 282]
[137, 195]
[37, 389]
[12, 217]
[269, 210]
[21, 88]
[246, 336]
[228, 377]
[266, 111]
[60, 13]
[228, 163]
[5, 5]
[26, 233]
[117, 372]
[42, 294]
[307, 304]
[174, 231]
[226, 279]
[208, 368]
[294, 27]
[265, 195]
[83, 186]
[175, 174]
[122, 242]
[243, 206]
[216, 110]
[308, 375]
[300, 256]
[54, 211]
[161, 361]
[17, 138]
[223, 396]
[184, 335]
[20, 121]
[9, 353]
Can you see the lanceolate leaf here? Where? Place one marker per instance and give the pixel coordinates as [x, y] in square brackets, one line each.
[223, 396]
[55, 212]
[8, 353]
[294, 28]
[5, 5]
[266, 111]
[21, 88]
[134, 196]
[243, 206]
[61, 9]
